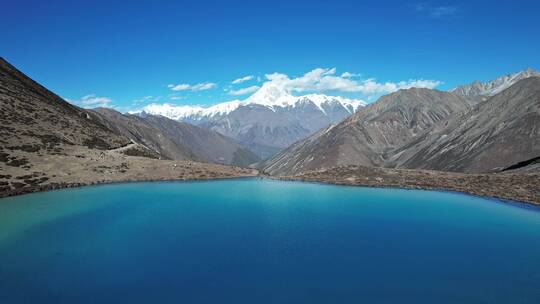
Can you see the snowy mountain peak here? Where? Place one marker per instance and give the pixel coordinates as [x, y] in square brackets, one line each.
[267, 121]
[190, 112]
[222, 108]
[351, 105]
[493, 87]
[171, 111]
[269, 96]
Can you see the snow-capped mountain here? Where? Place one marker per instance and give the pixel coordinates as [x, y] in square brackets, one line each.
[192, 113]
[267, 121]
[274, 97]
[493, 87]
[269, 96]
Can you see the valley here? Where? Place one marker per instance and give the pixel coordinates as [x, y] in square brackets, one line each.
[481, 139]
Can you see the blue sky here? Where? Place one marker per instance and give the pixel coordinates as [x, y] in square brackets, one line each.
[120, 53]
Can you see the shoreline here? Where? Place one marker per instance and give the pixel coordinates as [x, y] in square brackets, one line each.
[52, 172]
[516, 187]
[63, 186]
[505, 199]
[502, 200]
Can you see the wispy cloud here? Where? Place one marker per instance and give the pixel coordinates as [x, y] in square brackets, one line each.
[92, 101]
[436, 11]
[146, 99]
[194, 88]
[349, 75]
[244, 91]
[324, 80]
[320, 80]
[243, 79]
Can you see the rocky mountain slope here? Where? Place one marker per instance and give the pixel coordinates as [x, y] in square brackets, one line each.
[176, 140]
[47, 143]
[32, 118]
[499, 132]
[269, 120]
[139, 131]
[207, 145]
[368, 137]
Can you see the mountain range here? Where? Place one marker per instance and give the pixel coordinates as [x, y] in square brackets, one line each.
[429, 129]
[272, 119]
[268, 121]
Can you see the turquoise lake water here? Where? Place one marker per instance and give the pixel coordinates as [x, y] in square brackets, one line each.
[264, 241]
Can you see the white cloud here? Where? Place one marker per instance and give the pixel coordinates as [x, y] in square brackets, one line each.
[244, 91]
[372, 87]
[203, 86]
[195, 88]
[92, 101]
[324, 80]
[319, 80]
[179, 87]
[243, 79]
[349, 75]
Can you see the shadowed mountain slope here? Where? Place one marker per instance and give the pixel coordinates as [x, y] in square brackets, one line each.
[176, 140]
[206, 144]
[138, 130]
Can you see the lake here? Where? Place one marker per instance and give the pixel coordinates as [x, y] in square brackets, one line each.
[265, 241]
